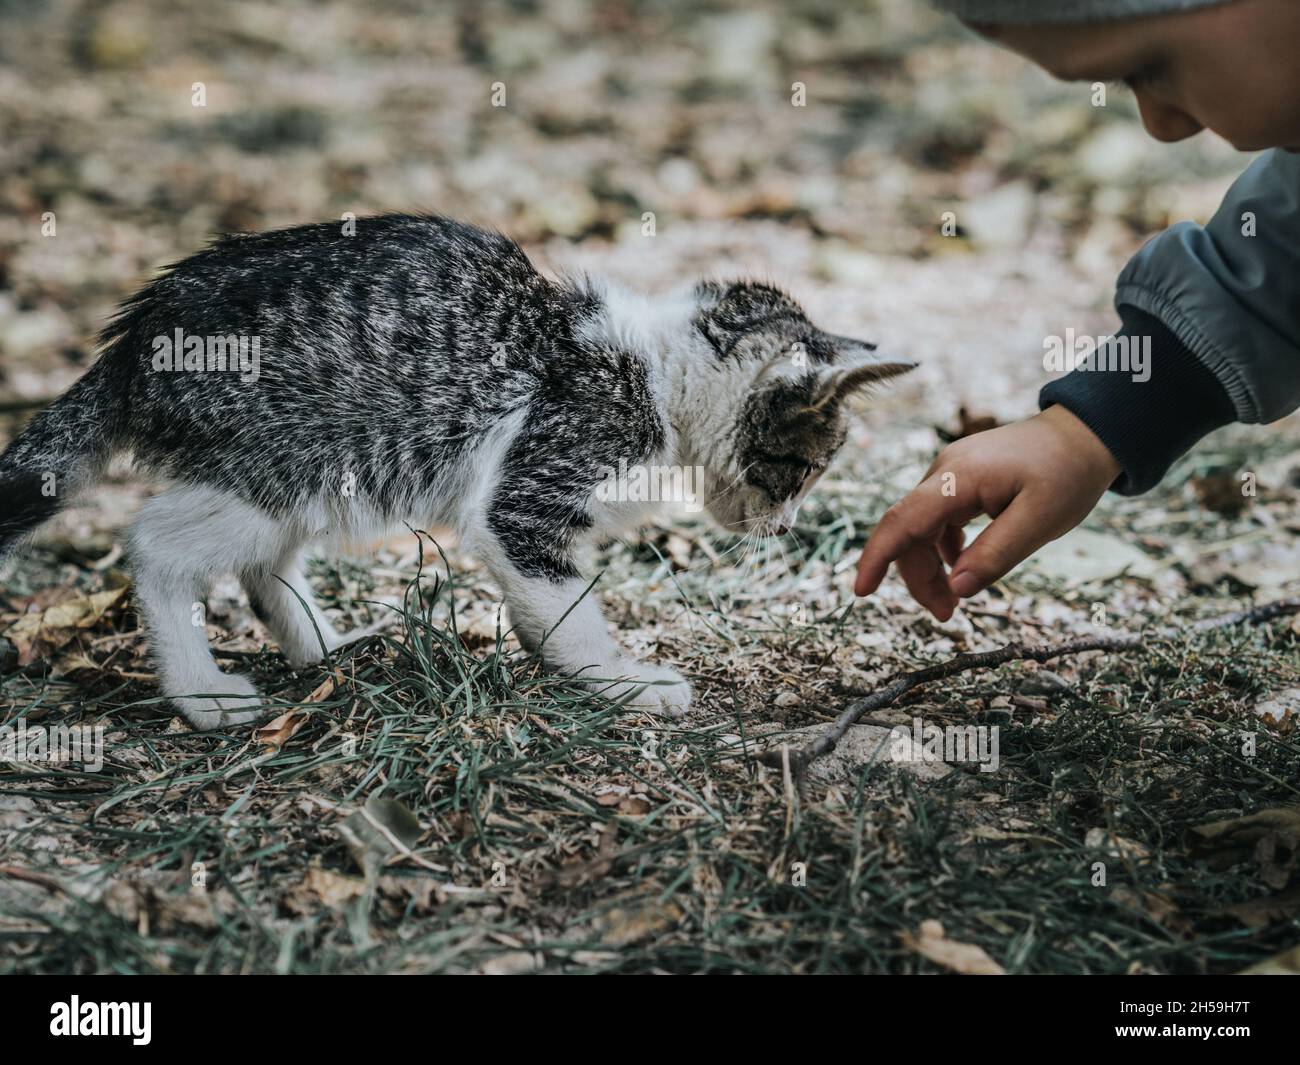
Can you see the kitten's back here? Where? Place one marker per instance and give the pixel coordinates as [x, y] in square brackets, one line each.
[380, 355]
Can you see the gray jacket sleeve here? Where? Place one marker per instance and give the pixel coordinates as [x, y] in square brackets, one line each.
[1230, 291]
[1218, 310]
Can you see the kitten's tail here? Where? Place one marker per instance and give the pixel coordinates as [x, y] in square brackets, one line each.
[63, 448]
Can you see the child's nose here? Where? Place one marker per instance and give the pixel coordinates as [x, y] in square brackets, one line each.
[1164, 121]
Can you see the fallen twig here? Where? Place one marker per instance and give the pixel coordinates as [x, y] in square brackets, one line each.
[800, 760]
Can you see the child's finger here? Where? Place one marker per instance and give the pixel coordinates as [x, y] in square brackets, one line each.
[923, 572]
[1015, 534]
[917, 518]
[951, 541]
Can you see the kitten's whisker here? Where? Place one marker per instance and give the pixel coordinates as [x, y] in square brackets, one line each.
[785, 559]
[737, 479]
[755, 569]
[719, 557]
[745, 546]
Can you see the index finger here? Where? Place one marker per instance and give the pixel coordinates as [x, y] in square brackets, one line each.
[919, 517]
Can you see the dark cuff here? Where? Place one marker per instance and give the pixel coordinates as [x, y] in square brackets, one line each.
[1146, 424]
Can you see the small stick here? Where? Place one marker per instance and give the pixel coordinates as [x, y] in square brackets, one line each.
[800, 760]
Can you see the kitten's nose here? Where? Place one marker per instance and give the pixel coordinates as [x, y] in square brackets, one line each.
[781, 529]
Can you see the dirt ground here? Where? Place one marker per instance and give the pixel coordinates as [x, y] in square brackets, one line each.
[432, 801]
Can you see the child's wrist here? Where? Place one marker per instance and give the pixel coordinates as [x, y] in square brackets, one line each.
[1083, 441]
[1147, 420]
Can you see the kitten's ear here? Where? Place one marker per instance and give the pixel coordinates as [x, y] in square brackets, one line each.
[857, 365]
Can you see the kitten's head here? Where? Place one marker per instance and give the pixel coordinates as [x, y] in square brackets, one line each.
[787, 382]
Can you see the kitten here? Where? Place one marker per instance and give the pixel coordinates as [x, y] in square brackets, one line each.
[307, 387]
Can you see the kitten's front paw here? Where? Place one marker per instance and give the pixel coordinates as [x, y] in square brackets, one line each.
[657, 689]
[235, 702]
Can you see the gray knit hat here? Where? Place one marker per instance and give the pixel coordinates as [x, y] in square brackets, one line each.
[1032, 12]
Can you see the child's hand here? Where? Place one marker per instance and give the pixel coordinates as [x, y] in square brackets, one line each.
[1037, 479]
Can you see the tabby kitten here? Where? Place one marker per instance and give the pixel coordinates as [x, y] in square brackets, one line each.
[311, 387]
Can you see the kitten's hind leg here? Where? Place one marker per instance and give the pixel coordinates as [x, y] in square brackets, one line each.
[283, 601]
[180, 540]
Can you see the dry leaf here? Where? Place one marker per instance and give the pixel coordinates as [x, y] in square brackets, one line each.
[1259, 912]
[1271, 837]
[623, 926]
[333, 889]
[275, 734]
[380, 829]
[326, 688]
[966, 958]
[967, 425]
[1156, 905]
[1221, 492]
[38, 633]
